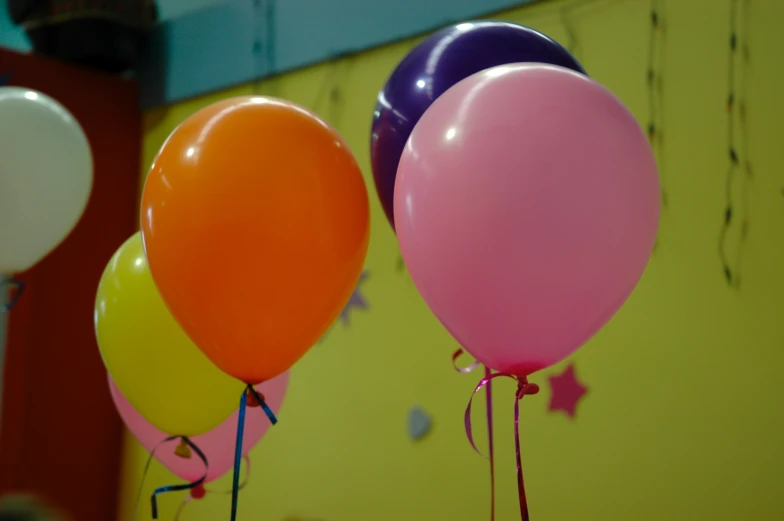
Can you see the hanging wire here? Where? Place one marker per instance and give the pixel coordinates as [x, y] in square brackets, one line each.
[575, 9]
[190, 497]
[731, 276]
[336, 103]
[263, 42]
[258, 47]
[270, 18]
[572, 44]
[327, 86]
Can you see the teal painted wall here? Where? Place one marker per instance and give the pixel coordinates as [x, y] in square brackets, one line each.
[207, 45]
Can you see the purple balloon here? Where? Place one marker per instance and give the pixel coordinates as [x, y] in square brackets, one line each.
[431, 68]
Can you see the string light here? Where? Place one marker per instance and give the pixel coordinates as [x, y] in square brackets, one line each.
[748, 174]
[654, 82]
[736, 128]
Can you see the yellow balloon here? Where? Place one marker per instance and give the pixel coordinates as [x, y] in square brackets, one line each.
[155, 365]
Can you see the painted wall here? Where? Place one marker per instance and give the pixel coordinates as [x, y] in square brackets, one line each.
[206, 45]
[682, 419]
[236, 41]
[171, 9]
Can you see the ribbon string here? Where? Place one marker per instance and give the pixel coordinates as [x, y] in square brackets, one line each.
[524, 388]
[190, 497]
[243, 483]
[187, 442]
[186, 486]
[144, 476]
[464, 370]
[248, 395]
[490, 449]
[181, 508]
[15, 295]
[489, 408]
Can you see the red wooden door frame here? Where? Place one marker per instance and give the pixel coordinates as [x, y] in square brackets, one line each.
[60, 436]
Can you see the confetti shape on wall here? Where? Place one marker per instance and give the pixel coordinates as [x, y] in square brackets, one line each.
[566, 392]
[5, 79]
[419, 423]
[357, 301]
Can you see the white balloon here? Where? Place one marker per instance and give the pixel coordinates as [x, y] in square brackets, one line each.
[46, 176]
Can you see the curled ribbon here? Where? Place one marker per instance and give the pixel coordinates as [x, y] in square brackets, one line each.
[249, 397]
[170, 488]
[193, 496]
[11, 283]
[524, 388]
[464, 370]
[489, 408]
[186, 486]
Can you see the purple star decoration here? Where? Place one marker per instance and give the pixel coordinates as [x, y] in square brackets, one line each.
[357, 301]
[566, 392]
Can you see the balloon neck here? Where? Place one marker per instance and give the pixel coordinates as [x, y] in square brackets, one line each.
[525, 388]
[250, 399]
[182, 450]
[198, 491]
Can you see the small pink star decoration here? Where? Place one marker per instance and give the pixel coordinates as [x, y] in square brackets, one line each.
[567, 390]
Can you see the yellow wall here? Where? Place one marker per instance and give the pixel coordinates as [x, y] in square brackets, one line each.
[683, 418]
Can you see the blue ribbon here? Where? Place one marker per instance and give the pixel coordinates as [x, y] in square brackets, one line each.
[235, 487]
[20, 286]
[270, 415]
[187, 486]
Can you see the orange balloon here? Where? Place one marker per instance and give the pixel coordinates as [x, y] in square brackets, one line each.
[255, 224]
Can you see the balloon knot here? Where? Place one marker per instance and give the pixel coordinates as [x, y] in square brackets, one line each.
[250, 399]
[198, 491]
[182, 450]
[525, 388]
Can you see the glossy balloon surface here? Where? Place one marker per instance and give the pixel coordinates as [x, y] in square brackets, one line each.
[435, 65]
[255, 221]
[527, 205]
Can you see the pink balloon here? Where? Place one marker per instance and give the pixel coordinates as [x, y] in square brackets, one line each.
[526, 206]
[217, 445]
